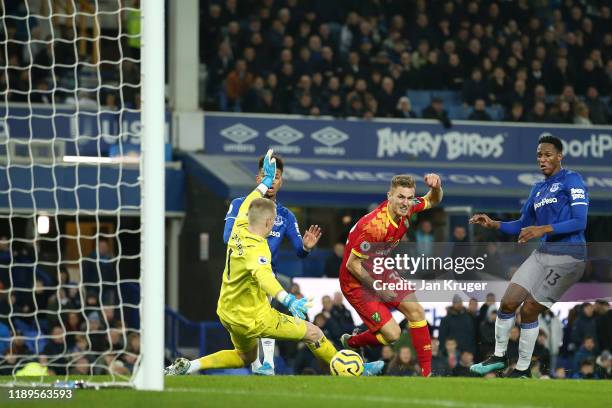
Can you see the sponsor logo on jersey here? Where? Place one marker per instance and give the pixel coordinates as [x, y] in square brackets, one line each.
[365, 246]
[239, 134]
[544, 201]
[262, 260]
[376, 317]
[555, 187]
[577, 193]
[274, 234]
[285, 136]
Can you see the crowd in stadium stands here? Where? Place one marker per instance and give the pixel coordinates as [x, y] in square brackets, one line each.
[82, 331]
[579, 349]
[47, 318]
[535, 61]
[46, 63]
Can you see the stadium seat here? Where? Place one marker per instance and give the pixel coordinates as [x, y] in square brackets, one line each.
[419, 98]
[457, 112]
[448, 97]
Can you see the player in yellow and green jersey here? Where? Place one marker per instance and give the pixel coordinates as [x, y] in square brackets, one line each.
[248, 279]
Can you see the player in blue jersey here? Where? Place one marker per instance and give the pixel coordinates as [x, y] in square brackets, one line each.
[285, 225]
[556, 213]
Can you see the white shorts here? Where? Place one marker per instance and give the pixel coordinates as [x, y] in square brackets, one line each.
[547, 277]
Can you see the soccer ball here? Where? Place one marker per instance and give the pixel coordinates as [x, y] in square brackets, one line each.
[346, 363]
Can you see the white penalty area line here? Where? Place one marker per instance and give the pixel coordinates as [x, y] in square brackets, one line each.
[402, 401]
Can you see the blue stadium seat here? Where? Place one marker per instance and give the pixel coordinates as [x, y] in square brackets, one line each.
[457, 112]
[448, 97]
[421, 98]
[496, 112]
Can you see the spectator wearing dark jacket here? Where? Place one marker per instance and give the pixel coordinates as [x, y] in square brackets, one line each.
[538, 113]
[462, 369]
[598, 112]
[588, 350]
[586, 370]
[459, 325]
[513, 343]
[584, 326]
[604, 331]
[103, 269]
[516, 113]
[403, 364]
[439, 364]
[603, 365]
[475, 88]
[341, 314]
[541, 354]
[479, 112]
[486, 344]
[403, 109]
[436, 111]
[332, 325]
[499, 86]
[387, 98]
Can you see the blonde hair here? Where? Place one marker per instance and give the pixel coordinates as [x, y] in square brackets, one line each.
[261, 209]
[402, 180]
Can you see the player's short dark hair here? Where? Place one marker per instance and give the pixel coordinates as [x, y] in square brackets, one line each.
[402, 180]
[279, 162]
[553, 140]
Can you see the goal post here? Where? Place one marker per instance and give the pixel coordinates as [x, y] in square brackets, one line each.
[82, 192]
[149, 375]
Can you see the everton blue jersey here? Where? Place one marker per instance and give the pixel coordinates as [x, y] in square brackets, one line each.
[285, 224]
[558, 199]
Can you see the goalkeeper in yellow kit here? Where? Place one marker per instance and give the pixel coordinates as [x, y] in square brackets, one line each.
[248, 279]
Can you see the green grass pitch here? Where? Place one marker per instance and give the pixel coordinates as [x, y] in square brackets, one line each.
[326, 391]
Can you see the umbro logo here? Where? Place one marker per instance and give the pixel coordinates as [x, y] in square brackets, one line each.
[284, 135]
[239, 133]
[329, 136]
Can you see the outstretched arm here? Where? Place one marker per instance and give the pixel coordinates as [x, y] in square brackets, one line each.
[576, 223]
[267, 281]
[508, 227]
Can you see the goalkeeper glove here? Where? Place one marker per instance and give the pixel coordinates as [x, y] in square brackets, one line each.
[297, 307]
[269, 169]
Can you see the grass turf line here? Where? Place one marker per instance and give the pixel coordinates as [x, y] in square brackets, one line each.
[318, 392]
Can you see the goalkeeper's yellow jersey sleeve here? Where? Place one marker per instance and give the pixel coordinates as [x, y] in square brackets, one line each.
[248, 276]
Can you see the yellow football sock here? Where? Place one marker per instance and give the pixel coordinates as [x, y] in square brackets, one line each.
[323, 349]
[222, 359]
[381, 339]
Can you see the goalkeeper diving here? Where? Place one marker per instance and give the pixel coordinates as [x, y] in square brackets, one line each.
[243, 307]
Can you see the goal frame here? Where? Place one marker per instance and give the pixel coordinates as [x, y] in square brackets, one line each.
[149, 374]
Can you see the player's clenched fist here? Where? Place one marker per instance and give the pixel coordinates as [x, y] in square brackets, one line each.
[432, 180]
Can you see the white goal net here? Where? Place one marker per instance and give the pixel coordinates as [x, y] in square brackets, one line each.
[70, 191]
